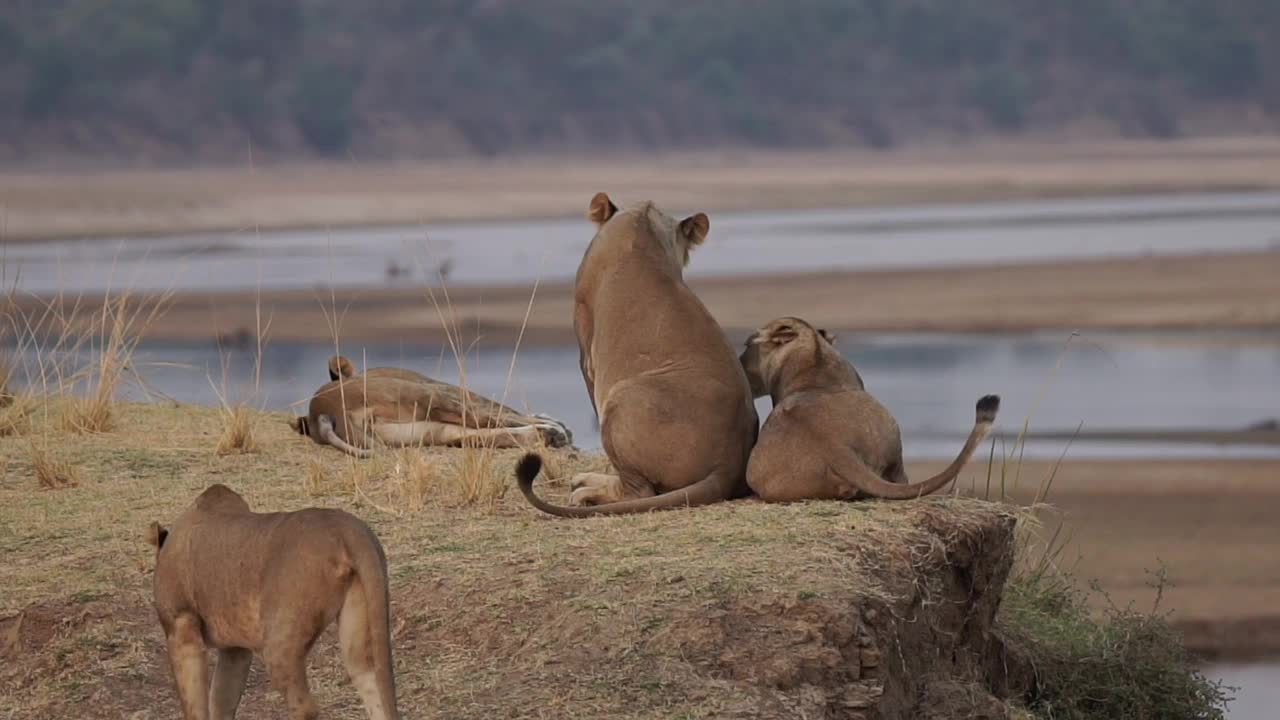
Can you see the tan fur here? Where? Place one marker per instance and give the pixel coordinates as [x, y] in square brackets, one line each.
[401, 412]
[340, 368]
[246, 583]
[676, 415]
[827, 437]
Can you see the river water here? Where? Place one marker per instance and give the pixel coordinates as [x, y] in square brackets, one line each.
[1172, 381]
[930, 382]
[500, 253]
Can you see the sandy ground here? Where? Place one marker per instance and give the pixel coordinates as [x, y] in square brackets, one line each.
[240, 196]
[1210, 523]
[1154, 293]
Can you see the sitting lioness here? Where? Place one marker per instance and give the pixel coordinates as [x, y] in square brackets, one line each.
[269, 583]
[827, 438]
[404, 413]
[676, 415]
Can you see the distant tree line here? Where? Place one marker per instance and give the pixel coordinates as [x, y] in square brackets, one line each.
[421, 77]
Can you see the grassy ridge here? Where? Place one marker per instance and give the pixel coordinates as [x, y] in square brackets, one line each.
[727, 611]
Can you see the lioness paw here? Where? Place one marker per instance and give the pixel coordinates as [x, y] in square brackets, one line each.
[585, 496]
[553, 435]
[563, 429]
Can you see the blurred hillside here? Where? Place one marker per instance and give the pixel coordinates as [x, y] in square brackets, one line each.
[202, 80]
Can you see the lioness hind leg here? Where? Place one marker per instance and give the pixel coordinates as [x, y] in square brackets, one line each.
[506, 437]
[287, 667]
[190, 667]
[229, 676]
[357, 651]
[602, 488]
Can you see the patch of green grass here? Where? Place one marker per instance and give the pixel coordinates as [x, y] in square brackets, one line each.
[87, 596]
[1127, 664]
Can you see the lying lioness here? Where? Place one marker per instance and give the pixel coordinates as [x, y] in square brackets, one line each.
[269, 583]
[676, 415]
[404, 413]
[826, 437]
[451, 399]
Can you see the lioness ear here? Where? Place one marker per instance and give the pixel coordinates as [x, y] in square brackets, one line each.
[783, 335]
[695, 228]
[601, 209]
[828, 336]
[156, 535]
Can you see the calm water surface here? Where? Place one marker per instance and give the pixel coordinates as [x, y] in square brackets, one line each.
[516, 252]
[930, 383]
[1257, 693]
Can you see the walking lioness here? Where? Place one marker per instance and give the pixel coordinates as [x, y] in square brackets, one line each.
[269, 583]
[676, 415]
[827, 438]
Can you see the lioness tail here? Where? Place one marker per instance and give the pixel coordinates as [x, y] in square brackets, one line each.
[371, 569]
[708, 490]
[330, 436]
[855, 472]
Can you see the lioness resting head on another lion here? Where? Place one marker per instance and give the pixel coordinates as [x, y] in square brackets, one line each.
[676, 415]
[269, 583]
[826, 437]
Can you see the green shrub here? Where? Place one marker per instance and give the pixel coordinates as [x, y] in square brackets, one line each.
[1128, 664]
[322, 106]
[1001, 93]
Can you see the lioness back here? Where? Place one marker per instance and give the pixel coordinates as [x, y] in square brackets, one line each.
[283, 555]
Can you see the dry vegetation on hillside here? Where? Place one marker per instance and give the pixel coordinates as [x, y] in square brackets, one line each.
[840, 610]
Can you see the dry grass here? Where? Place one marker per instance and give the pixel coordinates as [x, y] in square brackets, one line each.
[15, 414]
[471, 584]
[409, 479]
[316, 478]
[109, 337]
[51, 471]
[237, 430]
[480, 481]
[239, 421]
[6, 378]
[414, 479]
[500, 611]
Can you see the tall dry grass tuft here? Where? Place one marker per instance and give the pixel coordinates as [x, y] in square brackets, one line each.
[16, 413]
[317, 481]
[6, 378]
[237, 430]
[51, 471]
[16, 408]
[114, 334]
[411, 478]
[239, 419]
[414, 479]
[481, 480]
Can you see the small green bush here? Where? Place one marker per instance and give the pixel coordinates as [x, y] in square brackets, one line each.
[1126, 665]
[322, 105]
